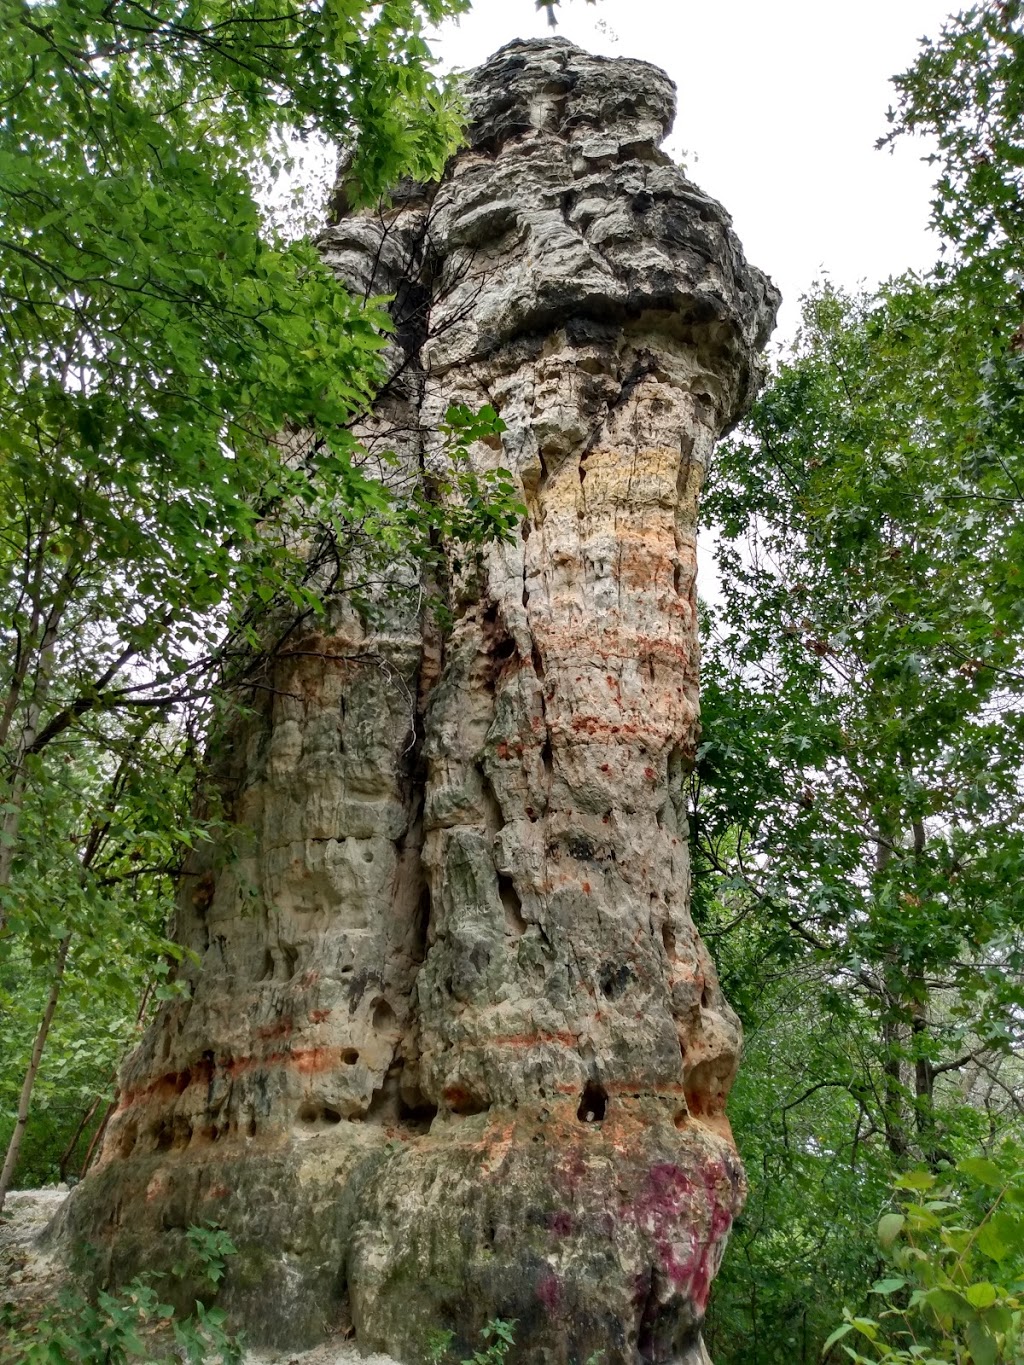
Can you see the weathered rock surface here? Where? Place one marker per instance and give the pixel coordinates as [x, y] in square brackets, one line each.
[453, 1048]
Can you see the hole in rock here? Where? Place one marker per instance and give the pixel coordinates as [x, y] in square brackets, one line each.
[129, 1137]
[267, 969]
[705, 999]
[311, 1112]
[492, 806]
[547, 756]
[422, 916]
[581, 848]
[513, 906]
[350, 1056]
[383, 1018]
[463, 1102]
[417, 1112]
[367, 855]
[204, 1070]
[669, 939]
[614, 979]
[251, 1128]
[594, 1103]
[163, 1135]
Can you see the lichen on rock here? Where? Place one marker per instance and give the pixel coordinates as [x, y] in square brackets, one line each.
[453, 1049]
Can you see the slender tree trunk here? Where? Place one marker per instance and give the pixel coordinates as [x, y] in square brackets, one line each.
[44, 654]
[14, 797]
[83, 1123]
[894, 1116]
[924, 1087]
[25, 1102]
[924, 1078]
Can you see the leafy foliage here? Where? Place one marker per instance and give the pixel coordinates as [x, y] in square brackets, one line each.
[859, 779]
[133, 1324]
[498, 1336]
[955, 1247]
[178, 473]
[857, 804]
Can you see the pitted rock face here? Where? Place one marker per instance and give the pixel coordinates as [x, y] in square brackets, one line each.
[454, 1049]
[554, 87]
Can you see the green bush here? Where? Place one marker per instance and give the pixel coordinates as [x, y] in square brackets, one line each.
[954, 1243]
[133, 1325]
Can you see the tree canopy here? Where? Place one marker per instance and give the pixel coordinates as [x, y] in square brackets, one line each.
[162, 344]
[858, 804]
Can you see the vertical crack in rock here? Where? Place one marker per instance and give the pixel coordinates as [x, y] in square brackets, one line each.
[452, 1047]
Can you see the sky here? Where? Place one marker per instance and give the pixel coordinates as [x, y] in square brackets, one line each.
[780, 105]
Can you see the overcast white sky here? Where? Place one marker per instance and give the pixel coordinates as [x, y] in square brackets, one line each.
[780, 103]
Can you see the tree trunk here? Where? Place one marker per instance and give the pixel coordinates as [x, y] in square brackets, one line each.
[894, 1117]
[25, 1102]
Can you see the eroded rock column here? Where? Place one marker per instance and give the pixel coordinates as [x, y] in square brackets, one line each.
[454, 1049]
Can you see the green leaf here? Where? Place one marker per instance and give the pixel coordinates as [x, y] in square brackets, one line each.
[835, 1336]
[981, 1295]
[888, 1286]
[982, 1343]
[983, 1170]
[990, 1240]
[890, 1225]
[915, 1180]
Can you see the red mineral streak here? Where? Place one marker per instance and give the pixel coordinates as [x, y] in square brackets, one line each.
[306, 1061]
[549, 1291]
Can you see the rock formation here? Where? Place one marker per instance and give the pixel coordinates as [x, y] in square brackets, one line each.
[453, 1049]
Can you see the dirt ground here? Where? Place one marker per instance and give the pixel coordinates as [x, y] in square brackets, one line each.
[31, 1276]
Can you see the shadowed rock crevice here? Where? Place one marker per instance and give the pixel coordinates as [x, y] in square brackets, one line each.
[451, 1041]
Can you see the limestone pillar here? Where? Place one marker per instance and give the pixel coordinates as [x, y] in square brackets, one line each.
[452, 1048]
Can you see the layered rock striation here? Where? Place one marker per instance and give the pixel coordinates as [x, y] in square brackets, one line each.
[451, 1048]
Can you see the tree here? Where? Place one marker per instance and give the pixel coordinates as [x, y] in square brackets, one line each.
[178, 386]
[157, 342]
[857, 802]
